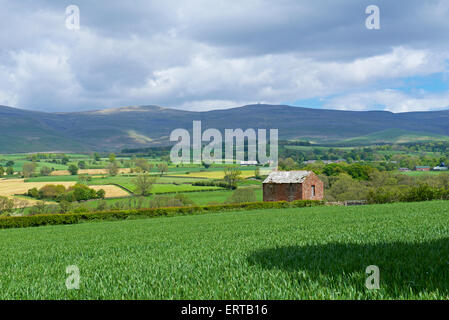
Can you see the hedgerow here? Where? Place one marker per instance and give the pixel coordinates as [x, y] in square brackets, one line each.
[72, 218]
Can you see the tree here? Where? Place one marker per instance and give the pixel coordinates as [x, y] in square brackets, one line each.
[287, 164]
[96, 156]
[10, 171]
[2, 171]
[143, 164]
[113, 168]
[6, 205]
[101, 194]
[28, 169]
[111, 157]
[10, 163]
[162, 167]
[144, 183]
[82, 164]
[64, 206]
[45, 171]
[65, 160]
[73, 169]
[83, 178]
[232, 176]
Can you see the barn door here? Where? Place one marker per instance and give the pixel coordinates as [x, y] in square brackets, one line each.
[291, 192]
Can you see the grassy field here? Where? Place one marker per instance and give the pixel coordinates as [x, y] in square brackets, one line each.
[308, 253]
[422, 173]
[220, 196]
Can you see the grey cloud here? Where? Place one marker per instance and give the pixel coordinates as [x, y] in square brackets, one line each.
[191, 54]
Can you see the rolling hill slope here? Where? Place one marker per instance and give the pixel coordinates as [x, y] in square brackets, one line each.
[129, 127]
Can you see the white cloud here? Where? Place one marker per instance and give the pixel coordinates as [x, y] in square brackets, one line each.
[390, 100]
[200, 55]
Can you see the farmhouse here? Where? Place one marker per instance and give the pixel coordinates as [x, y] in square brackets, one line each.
[292, 185]
[422, 168]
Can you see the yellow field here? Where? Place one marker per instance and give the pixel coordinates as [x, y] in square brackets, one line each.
[10, 187]
[87, 171]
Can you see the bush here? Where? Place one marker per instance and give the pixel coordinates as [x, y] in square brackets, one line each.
[422, 192]
[51, 191]
[208, 183]
[45, 171]
[6, 205]
[178, 200]
[34, 193]
[73, 169]
[101, 194]
[78, 192]
[71, 218]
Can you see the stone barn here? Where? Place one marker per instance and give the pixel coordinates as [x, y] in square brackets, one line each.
[292, 185]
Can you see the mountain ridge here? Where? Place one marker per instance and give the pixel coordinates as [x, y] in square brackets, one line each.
[113, 129]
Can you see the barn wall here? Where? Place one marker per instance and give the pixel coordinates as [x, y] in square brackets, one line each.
[294, 191]
[282, 192]
[313, 180]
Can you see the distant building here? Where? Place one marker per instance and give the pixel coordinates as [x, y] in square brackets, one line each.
[440, 168]
[324, 161]
[292, 185]
[422, 168]
[404, 169]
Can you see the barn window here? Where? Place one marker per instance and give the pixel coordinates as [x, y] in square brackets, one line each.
[313, 191]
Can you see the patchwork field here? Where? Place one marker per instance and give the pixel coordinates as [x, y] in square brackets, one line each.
[308, 253]
[87, 171]
[215, 174]
[10, 187]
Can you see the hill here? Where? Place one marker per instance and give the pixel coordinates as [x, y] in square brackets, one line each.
[141, 126]
[394, 136]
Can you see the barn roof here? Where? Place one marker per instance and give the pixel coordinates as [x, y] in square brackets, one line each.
[287, 177]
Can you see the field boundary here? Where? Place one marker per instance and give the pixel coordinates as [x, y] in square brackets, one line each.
[73, 218]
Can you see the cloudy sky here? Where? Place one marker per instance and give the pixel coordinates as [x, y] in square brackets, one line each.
[213, 54]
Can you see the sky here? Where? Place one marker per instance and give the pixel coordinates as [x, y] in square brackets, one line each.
[210, 54]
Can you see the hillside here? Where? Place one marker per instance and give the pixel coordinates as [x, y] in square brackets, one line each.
[394, 136]
[115, 129]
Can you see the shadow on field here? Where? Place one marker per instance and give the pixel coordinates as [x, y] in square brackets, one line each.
[403, 266]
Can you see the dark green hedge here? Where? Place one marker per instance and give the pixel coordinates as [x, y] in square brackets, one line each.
[72, 218]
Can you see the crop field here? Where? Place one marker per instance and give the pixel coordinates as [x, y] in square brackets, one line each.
[307, 253]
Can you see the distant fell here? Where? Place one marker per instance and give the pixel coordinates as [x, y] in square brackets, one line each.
[145, 126]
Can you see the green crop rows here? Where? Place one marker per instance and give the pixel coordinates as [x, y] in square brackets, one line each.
[306, 253]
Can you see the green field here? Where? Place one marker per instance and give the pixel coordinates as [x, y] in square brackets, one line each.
[308, 253]
[424, 173]
[219, 196]
[163, 184]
